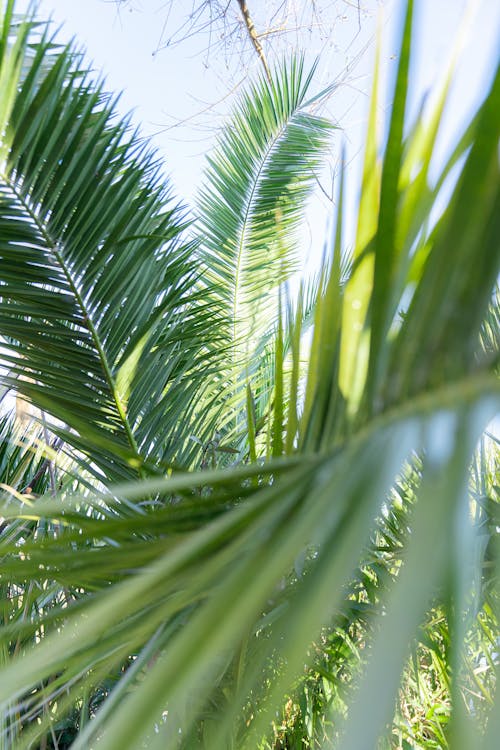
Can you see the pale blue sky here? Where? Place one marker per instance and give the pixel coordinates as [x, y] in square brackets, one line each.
[168, 90]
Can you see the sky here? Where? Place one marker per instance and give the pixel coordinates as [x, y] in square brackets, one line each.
[181, 92]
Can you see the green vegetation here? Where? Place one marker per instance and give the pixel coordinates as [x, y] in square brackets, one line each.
[218, 529]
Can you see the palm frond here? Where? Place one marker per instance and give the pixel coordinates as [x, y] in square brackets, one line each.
[95, 288]
[253, 199]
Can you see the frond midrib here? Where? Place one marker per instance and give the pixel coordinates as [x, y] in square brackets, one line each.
[52, 247]
[248, 214]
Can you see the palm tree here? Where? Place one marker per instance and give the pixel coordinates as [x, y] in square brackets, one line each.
[225, 517]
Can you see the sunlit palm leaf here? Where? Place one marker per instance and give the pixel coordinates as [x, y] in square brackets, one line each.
[253, 200]
[94, 278]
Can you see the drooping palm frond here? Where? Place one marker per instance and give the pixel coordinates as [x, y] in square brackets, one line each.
[95, 302]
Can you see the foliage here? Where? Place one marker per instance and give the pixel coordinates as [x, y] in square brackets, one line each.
[296, 554]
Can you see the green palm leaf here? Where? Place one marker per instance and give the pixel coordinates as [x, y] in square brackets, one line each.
[253, 200]
[95, 283]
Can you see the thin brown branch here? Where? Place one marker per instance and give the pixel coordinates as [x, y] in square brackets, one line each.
[253, 36]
